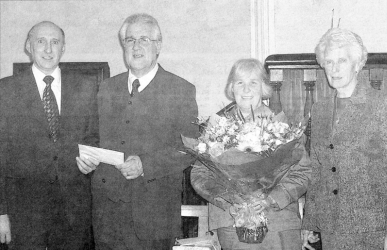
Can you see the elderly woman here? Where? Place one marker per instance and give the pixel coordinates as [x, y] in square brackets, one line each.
[247, 86]
[347, 202]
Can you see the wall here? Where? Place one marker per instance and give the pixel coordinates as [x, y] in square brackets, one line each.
[201, 38]
[299, 24]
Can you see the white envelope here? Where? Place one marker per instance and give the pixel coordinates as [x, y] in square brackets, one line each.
[103, 155]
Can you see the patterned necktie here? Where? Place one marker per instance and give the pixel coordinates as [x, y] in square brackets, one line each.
[51, 108]
[135, 86]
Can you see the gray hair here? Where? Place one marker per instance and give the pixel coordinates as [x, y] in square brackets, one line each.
[32, 30]
[141, 18]
[339, 38]
[248, 66]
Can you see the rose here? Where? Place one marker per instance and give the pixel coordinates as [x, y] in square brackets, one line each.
[216, 149]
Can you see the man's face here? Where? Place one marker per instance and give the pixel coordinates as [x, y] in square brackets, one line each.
[46, 46]
[141, 58]
[340, 68]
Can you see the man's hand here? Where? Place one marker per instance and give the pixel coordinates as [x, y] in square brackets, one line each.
[131, 168]
[86, 165]
[5, 229]
[308, 236]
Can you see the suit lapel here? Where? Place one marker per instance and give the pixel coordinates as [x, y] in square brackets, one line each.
[32, 104]
[66, 92]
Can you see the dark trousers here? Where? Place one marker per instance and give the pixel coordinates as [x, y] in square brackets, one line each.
[51, 230]
[114, 229]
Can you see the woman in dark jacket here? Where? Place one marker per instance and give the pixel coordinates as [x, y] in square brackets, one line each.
[347, 201]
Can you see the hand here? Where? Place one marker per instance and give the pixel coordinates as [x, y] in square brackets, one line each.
[261, 205]
[86, 165]
[308, 237]
[131, 168]
[261, 202]
[5, 229]
[385, 243]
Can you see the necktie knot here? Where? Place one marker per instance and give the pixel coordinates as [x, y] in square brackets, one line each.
[135, 86]
[48, 80]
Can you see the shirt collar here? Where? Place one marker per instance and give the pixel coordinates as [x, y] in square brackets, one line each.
[55, 85]
[39, 75]
[144, 80]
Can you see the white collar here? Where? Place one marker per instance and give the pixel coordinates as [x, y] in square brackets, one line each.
[55, 85]
[144, 80]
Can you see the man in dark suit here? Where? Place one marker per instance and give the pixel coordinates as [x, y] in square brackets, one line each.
[137, 205]
[45, 201]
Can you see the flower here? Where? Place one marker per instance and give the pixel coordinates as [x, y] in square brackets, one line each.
[202, 147]
[216, 149]
[245, 157]
[255, 136]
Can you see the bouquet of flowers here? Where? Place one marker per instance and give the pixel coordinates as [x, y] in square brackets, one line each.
[247, 157]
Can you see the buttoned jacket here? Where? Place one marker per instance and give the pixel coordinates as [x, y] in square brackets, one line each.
[149, 125]
[349, 160]
[30, 162]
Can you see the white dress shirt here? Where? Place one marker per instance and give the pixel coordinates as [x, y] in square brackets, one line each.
[144, 80]
[55, 85]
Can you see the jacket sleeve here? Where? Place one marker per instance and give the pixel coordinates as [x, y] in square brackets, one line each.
[204, 183]
[295, 183]
[310, 219]
[3, 150]
[92, 130]
[169, 159]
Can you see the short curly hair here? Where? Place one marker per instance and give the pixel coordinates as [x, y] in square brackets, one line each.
[338, 38]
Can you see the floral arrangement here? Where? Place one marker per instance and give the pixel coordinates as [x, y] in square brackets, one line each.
[245, 157]
[260, 135]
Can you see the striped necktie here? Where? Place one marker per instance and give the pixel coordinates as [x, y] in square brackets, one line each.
[51, 108]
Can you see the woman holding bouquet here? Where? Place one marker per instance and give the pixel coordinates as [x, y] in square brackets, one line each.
[347, 201]
[276, 193]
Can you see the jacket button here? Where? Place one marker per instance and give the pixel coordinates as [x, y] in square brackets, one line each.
[331, 146]
[127, 121]
[130, 102]
[333, 169]
[122, 142]
[103, 180]
[55, 158]
[149, 181]
[335, 191]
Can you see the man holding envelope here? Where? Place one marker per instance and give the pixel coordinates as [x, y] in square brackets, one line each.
[45, 112]
[143, 112]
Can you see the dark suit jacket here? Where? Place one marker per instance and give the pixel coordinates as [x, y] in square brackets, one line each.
[30, 162]
[148, 125]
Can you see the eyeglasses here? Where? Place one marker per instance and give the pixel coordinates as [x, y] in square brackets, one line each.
[143, 41]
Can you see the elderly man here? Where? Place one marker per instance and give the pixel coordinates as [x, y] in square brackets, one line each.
[45, 201]
[143, 112]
